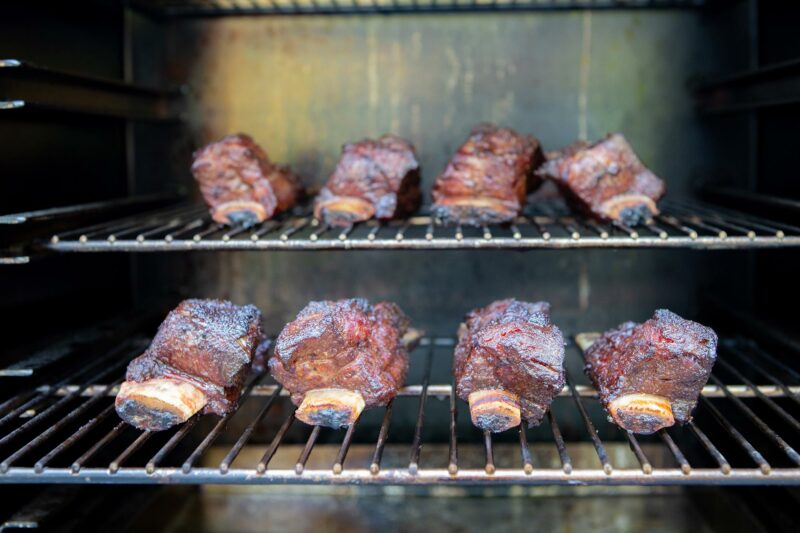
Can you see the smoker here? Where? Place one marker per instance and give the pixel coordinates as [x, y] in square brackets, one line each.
[103, 231]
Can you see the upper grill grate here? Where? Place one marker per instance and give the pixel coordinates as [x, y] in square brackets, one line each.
[681, 225]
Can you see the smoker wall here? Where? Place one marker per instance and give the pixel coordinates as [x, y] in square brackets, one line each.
[304, 85]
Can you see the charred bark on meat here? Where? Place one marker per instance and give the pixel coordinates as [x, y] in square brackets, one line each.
[198, 361]
[375, 178]
[340, 357]
[239, 183]
[488, 178]
[606, 180]
[509, 363]
[649, 376]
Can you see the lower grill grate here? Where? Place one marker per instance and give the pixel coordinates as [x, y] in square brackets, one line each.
[681, 225]
[743, 433]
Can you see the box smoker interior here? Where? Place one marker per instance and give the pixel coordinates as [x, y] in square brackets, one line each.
[302, 85]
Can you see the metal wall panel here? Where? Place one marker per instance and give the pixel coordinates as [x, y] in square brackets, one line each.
[303, 86]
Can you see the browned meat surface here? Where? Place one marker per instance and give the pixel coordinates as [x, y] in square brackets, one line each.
[338, 357]
[488, 178]
[650, 375]
[198, 360]
[239, 183]
[375, 178]
[606, 180]
[509, 363]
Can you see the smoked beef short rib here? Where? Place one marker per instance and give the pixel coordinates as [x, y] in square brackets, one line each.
[239, 183]
[488, 178]
[606, 180]
[649, 376]
[375, 178]
[338, 357]
[198, 361]
[509, 363]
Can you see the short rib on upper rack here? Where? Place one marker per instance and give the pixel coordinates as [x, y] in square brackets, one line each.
[375, 178]
[488, 178]
[606, 180]
[240, 184]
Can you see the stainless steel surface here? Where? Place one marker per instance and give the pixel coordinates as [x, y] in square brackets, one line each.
[681, 225]
[94, 447]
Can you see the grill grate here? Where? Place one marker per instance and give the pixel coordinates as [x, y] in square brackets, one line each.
[681, 225]
[343, 7]
[743, 433]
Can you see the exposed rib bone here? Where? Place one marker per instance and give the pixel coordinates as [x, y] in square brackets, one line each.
[642, 413]
[334, 408]
[232, 212]
[494, 409]
[158, 404]
[344, 210]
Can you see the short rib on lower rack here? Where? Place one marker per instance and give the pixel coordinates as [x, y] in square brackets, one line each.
[198, 361]
[649, 375]
[339, 357]
[509, 363]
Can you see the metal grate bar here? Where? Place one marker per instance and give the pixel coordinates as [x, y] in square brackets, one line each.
[266, 227]
[657, 230]
[452, 465]
[647, 468]
[632, 233]
[778, 364]
[598, 444]
[40, 395]
[224, 466]
[771, 377]
[487, 443]
[110, 436]
[738, 437]
[768, 431]
[789, 419]
[15, 401]
[723, 463]
[214, 433]
[383, 434]
[28, 85]
[41, 416]
[595, 227]
[683, 224]
[74, 438]
[184, 430]
[273, 447]
[39, 439]
[338, 465]
[527, 458]
[113, 467]
[673, 222]
[306, 453]
[686, 468]
[352, 7]
[566, 462]
[416, 444]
